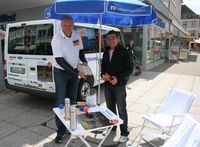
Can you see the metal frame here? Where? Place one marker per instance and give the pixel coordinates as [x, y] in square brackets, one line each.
[79, 133]
[85, 141]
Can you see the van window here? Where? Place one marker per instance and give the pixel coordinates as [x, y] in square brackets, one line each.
[32, 39]
[104, 38]
[88, 38]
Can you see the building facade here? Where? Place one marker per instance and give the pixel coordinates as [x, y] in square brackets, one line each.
[153, 43]
[191, 22]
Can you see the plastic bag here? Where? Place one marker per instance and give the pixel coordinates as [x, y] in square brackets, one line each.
[91, 100]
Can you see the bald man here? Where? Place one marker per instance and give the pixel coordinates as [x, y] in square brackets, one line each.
[68, 51]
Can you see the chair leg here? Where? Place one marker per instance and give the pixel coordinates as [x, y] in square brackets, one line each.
[69, 141]
[143, 125]
[139, 141]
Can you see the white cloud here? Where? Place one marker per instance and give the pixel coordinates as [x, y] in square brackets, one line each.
[194, 5]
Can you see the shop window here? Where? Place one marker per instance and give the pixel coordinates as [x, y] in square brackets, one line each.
[185, 23]
[194, 24]
[193, 33]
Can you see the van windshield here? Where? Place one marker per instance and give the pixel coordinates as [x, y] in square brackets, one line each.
[31, 39]
[90, 39]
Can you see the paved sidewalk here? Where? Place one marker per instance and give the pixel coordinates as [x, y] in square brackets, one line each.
[28, 121]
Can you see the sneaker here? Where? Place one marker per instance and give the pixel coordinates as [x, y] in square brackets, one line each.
[59, 138]
[123, 139]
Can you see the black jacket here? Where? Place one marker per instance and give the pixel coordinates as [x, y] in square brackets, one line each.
[120, 65]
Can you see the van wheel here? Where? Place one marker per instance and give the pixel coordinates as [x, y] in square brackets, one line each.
[83, 89]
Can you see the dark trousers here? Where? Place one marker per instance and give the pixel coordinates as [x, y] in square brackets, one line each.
[66, 87]
[116, 95]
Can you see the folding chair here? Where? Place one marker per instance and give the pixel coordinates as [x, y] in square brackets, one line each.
[194, 138]
[176, 104]
[186, 135]
[180, 135]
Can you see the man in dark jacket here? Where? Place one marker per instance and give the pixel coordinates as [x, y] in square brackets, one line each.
[116, 68]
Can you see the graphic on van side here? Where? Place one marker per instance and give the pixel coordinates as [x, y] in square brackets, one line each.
[44, 73]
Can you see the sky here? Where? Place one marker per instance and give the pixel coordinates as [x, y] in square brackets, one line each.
[194, 5]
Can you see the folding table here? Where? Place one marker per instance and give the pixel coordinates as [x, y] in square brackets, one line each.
[80, 131]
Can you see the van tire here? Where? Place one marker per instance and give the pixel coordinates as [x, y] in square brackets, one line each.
[83, 89]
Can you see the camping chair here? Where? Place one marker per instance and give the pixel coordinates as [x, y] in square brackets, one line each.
[186, 135]
[180, 135]
[194, 138]
[176, 104]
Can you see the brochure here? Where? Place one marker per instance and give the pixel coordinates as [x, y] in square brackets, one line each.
[93, 120]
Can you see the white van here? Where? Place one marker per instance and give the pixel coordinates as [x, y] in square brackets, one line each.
[28, 56]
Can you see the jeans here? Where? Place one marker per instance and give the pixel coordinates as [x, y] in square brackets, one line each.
[116, 95]
[66, 87]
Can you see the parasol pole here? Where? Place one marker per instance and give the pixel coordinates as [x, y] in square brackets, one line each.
[99, 61]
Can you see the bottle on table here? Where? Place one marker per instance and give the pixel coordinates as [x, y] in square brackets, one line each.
[73, 120]
[67, 107]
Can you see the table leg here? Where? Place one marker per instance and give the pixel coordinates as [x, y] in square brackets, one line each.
[108, 132]
[84, 141]
[68, 141]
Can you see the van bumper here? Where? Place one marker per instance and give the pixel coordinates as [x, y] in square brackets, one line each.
[29, 91]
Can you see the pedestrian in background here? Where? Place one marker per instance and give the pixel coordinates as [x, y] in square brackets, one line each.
[68, 51]
[116, 68]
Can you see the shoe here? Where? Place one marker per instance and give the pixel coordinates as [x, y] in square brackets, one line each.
[59, 138]
[123, 139]
[111, 132]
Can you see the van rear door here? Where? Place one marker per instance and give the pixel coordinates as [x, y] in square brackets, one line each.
[40, 70]
[17, 73]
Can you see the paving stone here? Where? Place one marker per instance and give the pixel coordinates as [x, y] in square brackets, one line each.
[7, 128]
[24, 138]
[28, 119]
[44, 131]
[10, 112]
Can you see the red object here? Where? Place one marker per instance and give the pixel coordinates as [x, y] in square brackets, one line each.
[174, 52]
[138, 67]
[85, 109]
[4, 68]
[49, 64]
[113, 121]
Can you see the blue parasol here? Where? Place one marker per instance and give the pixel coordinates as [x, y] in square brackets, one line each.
[111, 12]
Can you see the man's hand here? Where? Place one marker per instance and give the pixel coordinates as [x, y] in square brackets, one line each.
[113, 80]
[82, 75]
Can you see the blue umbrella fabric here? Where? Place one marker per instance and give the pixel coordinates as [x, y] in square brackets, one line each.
[111, 12]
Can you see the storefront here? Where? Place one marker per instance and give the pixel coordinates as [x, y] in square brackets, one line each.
[150, 43]
[133, 38]
[156, 46]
